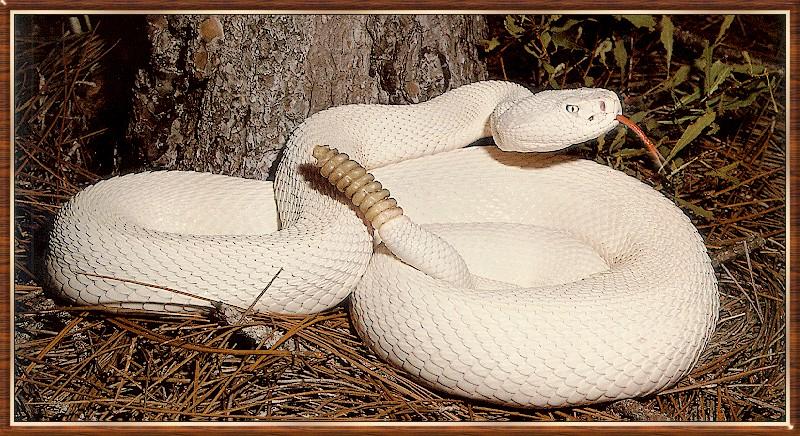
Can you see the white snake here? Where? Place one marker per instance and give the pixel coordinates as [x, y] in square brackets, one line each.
[592, 287]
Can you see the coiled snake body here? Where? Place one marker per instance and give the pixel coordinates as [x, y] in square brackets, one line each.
[572, 283]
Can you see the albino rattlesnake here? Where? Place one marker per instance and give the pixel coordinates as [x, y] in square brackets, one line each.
[610, 291]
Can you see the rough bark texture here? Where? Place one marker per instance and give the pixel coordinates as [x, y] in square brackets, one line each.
[223, 93]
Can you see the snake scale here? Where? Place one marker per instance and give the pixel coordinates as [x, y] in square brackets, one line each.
[526, 279]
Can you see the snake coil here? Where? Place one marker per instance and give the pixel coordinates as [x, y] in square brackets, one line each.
[589, 258]
[357, 184]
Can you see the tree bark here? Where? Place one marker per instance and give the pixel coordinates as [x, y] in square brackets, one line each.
[223, 93]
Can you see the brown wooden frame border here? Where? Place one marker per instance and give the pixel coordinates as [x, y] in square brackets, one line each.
[6, 6]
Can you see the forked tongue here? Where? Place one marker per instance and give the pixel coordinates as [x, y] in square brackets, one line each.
[651, 148]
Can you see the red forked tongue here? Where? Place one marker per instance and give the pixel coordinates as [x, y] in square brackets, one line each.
[651, 148]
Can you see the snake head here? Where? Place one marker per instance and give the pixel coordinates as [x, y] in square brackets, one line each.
[552, 120]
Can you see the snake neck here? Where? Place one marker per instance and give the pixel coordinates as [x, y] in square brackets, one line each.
[380, 135]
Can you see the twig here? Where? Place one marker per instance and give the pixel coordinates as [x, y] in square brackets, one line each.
[734, 251]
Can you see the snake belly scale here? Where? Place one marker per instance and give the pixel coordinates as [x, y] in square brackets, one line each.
[516, 278]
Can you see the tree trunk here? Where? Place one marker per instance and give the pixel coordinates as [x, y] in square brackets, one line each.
[223, 93]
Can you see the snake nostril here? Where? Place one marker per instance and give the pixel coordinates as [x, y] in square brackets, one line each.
[602, 106]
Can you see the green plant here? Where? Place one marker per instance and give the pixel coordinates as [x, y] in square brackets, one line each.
[677, 90]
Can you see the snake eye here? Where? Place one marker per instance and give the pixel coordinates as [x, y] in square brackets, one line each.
[571, 108]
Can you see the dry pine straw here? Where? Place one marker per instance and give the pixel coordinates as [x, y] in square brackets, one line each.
[93, 364]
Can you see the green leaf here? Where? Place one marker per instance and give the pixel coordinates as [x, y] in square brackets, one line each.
[742, 102]
[512, 27]
[490, 44]
[667, 33]
[588, 81]
[602, 49]
[561, 39]
[671, 83]
[566, 26]
[620, 55]
[724, 172]
[726, 23]
[640, 21]
[705, 64]
[693, 131]
[717, 74]
[697, 210]
[690, 98]
[545, 38]
[552, 19]
[680, 76]
[552, 73]
[750, 69]
[630, 152]
[638, 116]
